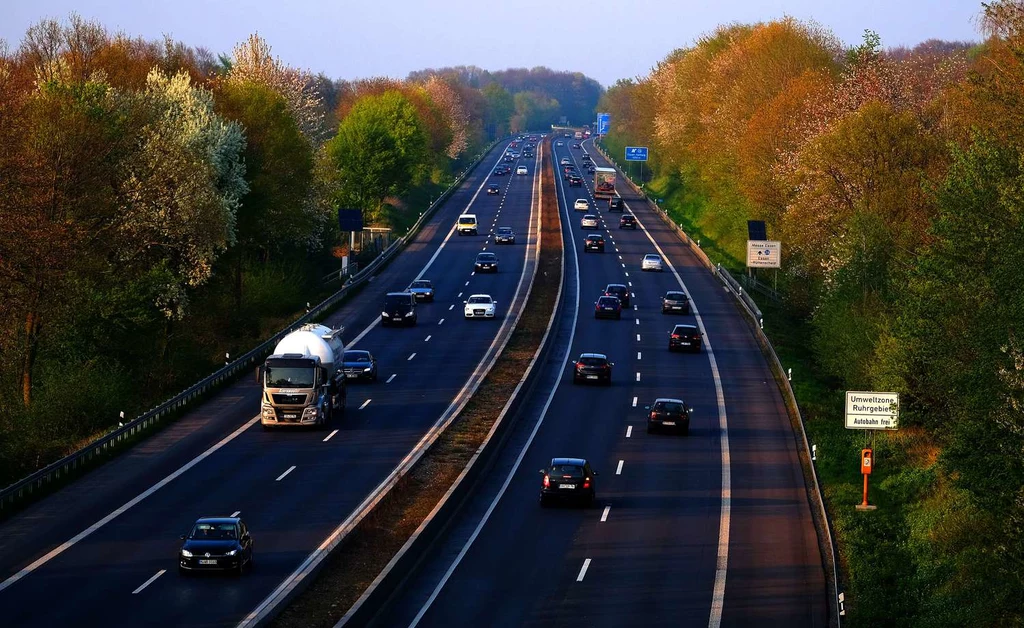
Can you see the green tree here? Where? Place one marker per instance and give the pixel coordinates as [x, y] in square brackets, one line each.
[500, 107]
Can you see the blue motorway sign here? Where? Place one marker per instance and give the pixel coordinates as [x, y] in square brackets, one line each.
[604, 122]
[636, 153]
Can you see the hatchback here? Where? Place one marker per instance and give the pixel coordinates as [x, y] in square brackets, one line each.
[608, 307]
[581, 204]
[667, 413]
[589, 221]
[216, 544]
[618, 290]
[594, 242]
[486, 262]
[685, 337]
[592, 367]
[675, 302]
[567, 478]
[652, 261]
[494, 188]
[627, 221]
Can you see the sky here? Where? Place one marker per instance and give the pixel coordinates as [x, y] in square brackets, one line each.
[605, 39]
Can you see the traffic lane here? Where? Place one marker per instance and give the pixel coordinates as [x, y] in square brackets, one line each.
[49, 522]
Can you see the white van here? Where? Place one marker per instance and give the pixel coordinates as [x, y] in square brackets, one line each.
[522, 170]
[466, 224]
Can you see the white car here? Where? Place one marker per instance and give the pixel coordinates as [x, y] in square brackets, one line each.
[589, 221]
[522, 170]
[651, 262]
[581, 204]
[565, 161]
[559, 143]
[480, 306]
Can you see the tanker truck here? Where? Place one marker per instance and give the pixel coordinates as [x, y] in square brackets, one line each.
[303, 383]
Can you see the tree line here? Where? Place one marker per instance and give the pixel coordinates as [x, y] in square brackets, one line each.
[163, 208]
[894, 180]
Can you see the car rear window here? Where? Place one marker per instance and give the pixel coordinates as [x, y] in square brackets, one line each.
[675, 296]
[213, 531]
[566, 470]
[668, 406]
[592, 361]
[608, 300]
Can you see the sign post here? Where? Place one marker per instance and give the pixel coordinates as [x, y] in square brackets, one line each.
[870, 411]
[637, 153]
[764, 254]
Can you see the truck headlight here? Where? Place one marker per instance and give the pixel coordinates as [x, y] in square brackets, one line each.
[268, 412]
[311, 412]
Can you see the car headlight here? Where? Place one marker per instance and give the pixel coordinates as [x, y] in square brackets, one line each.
[368, 369]
[186, 554]
[385, 315]
[408, 314]
[232, 552]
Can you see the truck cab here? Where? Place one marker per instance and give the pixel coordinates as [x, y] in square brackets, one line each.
[303, 384]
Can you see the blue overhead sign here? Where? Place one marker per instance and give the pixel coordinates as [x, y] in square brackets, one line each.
[636, 153]
[604, 122]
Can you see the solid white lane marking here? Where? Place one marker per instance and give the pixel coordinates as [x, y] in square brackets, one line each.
[604, 515]
[150, 581]
[326, 438]
[618, 469]
[638, 376]
[238, 512]
[629, 431]
[583, 571]
[634, 401]
[393, 376]
[427, 339]
[290, 469]
[365, 403]
[411, 356]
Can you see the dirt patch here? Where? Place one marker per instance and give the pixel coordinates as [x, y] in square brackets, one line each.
[376, 539]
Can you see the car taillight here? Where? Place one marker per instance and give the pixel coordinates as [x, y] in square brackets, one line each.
[654, 415]
[675, 336]
[586, 483]
[579, 365]
[547, 481]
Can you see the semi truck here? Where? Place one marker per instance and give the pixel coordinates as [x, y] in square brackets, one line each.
[303, 384]
[604, 182]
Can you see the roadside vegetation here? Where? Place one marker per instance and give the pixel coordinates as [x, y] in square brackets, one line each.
[162, 208]
[894, 180]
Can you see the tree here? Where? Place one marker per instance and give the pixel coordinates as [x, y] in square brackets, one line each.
[500, 107]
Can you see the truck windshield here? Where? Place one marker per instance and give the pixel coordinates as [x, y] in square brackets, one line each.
[290, 376]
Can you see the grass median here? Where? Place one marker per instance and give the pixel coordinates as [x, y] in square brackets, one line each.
[377, 538]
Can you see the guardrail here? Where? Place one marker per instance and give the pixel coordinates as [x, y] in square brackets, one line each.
[775, 363]
[53, 474]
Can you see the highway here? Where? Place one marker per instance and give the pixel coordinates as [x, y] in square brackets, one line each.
[706, 530]
[103, 550]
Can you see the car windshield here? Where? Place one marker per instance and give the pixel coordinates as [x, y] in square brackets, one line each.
[566, 470]
[467, 221]
[669, 406]
[290, 376]
[504, 230]
[395, 300]
[486, 257]
[357, 356]
[479, 299]
[213, 531]
[420, 284]
[592, 361]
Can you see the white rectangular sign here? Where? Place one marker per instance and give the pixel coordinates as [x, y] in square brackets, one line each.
[764, 254]
[872, 410]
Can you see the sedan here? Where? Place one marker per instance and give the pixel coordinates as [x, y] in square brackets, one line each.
[592, 367]
[667, 413]
[651, 262]
[567, 478]
[589, 221]
[685, 337]
[627, 221]
[494, 188]
[486, 262]
[480, 306]
[504, 235]
[594, 242]
[422, 289]
[608, 307]
[499, 171]
[581, 204]
[675, 302]
[575, 181]
[216, 544]
[357, 364]
[618, 290]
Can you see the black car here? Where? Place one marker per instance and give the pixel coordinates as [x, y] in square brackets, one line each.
[575, 181]
[216, 544]
[615, 204]
[504, 235]
[358, 364]
[675, 301]
[494, 188]
[594, 242]
[399, 309]
[486, 262]
[567, 478]
[507, 168]
[499, 171]
[618, 290]
[668, 413]
[591, 169]
[592, 367]
[627, 221]
[685, 337]
[575, 144]
[608, 307]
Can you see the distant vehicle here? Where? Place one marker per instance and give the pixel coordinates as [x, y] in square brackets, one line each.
[559, 143]
[589, 221]
[594, 242]
[422, 289]
[521, 170]
[608, 307]
[499, 171]
[568, 478]
[399, 309]
[585, 157]
[504, 235]
[578, 135]
[568, 135]
[302, 381]
[615, 204]
[627, 221]
[604, 182]
[618, 290]
[480, 306]
[359, 364]
[216, 544]
[515, 144]
[486, 262]
[675, 302]
[507, 168]
[591, 169]
[494, 188]
[575, 181]
[565, 161]
[592, 367]
[466, 224]
[576, 145]
[652, 261]
[685, 337]
[666, 413]
[581, 204]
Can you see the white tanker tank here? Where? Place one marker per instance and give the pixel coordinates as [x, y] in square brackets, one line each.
[302, 381]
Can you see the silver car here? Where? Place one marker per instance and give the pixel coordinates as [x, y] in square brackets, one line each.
[652, 261]
[589, 221]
